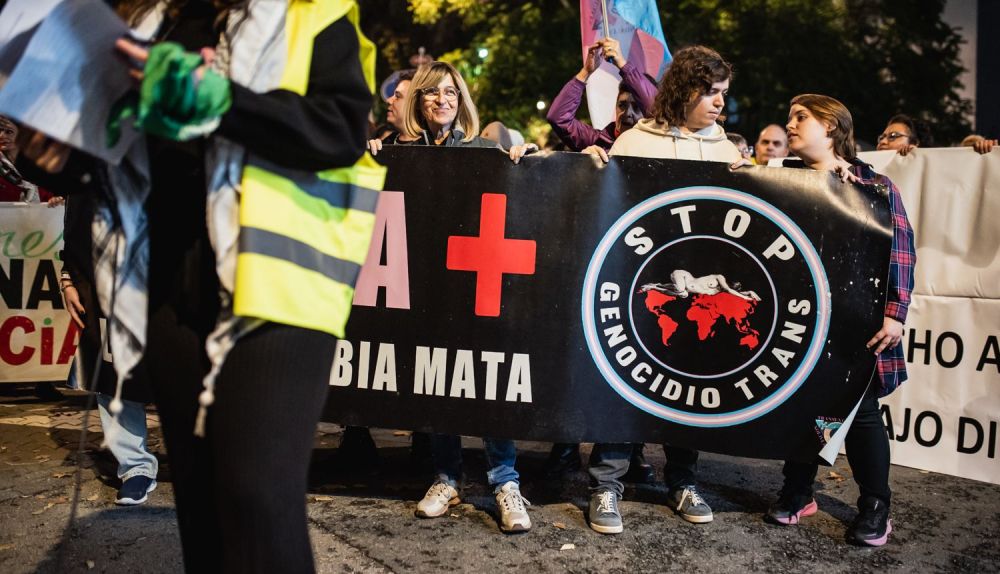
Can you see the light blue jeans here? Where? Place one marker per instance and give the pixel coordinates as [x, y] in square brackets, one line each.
[446, 452]
[128, 443]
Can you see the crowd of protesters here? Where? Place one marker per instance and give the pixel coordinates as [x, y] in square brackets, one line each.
[235, 485]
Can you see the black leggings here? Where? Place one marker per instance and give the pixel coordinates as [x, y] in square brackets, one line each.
[240, 491]
[867, 448]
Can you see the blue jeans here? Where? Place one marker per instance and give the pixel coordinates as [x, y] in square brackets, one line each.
[128, 440]
[446, 453]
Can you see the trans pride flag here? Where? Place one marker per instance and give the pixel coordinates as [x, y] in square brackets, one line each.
[636, 26]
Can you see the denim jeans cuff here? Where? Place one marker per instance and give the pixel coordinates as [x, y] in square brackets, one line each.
[444, 478]
[498, 486]
[139, 471]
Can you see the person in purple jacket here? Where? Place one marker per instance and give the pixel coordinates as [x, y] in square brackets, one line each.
[635, 98]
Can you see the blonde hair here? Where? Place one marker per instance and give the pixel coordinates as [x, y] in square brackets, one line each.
[429, 76]
[837, 115]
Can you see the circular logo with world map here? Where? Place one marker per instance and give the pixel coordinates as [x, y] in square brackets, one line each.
[705, 306]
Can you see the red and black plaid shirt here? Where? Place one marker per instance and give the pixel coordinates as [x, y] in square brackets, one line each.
[902, 260]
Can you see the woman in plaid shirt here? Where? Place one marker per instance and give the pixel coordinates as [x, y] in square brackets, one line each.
[821, 134]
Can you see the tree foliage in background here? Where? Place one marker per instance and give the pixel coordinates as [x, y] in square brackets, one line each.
[532, 49]
[879, 57]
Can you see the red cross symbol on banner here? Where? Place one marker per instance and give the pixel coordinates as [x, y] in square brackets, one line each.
[491, 255]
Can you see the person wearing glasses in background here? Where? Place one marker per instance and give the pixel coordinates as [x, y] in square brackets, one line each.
[904, 134]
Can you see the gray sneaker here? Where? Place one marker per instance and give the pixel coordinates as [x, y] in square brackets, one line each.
[690, 505]
[604, 514]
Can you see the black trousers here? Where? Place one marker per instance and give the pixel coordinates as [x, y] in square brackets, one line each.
[240, 491]
[867, 448]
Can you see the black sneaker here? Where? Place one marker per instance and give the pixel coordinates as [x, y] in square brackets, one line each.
[872, 525]
[639, 471]
[135, 490]
[604, 514]
[790, 508]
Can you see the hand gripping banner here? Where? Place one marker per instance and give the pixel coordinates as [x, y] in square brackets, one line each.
[639, 301]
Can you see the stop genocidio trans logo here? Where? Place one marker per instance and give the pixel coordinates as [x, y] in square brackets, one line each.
[705, 306]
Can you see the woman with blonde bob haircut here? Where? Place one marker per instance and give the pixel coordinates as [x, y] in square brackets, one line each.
[439, 111]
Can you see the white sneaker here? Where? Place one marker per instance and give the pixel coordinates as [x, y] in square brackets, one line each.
[439, 498]
[513, 514]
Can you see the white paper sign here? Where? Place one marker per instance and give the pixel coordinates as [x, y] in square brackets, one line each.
[69, 76]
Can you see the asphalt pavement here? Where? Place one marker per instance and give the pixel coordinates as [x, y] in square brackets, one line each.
[363, 521]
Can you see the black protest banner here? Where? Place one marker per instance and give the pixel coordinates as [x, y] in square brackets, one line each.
[643, 300]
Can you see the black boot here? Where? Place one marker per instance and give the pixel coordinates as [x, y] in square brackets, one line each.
[564, 458]
[639, 471]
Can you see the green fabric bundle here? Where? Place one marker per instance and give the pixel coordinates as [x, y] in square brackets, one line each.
[170, 103]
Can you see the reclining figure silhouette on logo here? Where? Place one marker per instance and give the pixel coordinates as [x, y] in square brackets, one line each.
[684, 284]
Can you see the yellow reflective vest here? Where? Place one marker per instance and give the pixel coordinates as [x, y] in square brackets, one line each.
[304, 236]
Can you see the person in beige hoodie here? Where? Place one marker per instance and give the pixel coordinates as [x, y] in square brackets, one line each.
[683, 126]
[683, 118]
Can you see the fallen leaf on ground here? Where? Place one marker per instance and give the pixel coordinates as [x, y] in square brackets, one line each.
[90, 564]
[401, 433]
[836, 476]
[322, 498]
[5, 547]
[559, 525]
[453, 515]
[92, 497]
[567, 547]
[46, 507]
[60, 474]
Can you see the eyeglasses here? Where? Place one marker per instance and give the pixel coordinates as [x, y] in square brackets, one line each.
[891, 137]
[450, 94]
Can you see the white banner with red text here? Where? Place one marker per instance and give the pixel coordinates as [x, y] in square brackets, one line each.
[37, 338]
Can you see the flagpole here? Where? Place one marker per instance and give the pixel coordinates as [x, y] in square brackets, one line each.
[604, 13]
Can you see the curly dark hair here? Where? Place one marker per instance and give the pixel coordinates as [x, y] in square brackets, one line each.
[689, 76]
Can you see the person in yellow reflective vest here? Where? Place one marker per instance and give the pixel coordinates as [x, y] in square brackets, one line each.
[255, 119]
